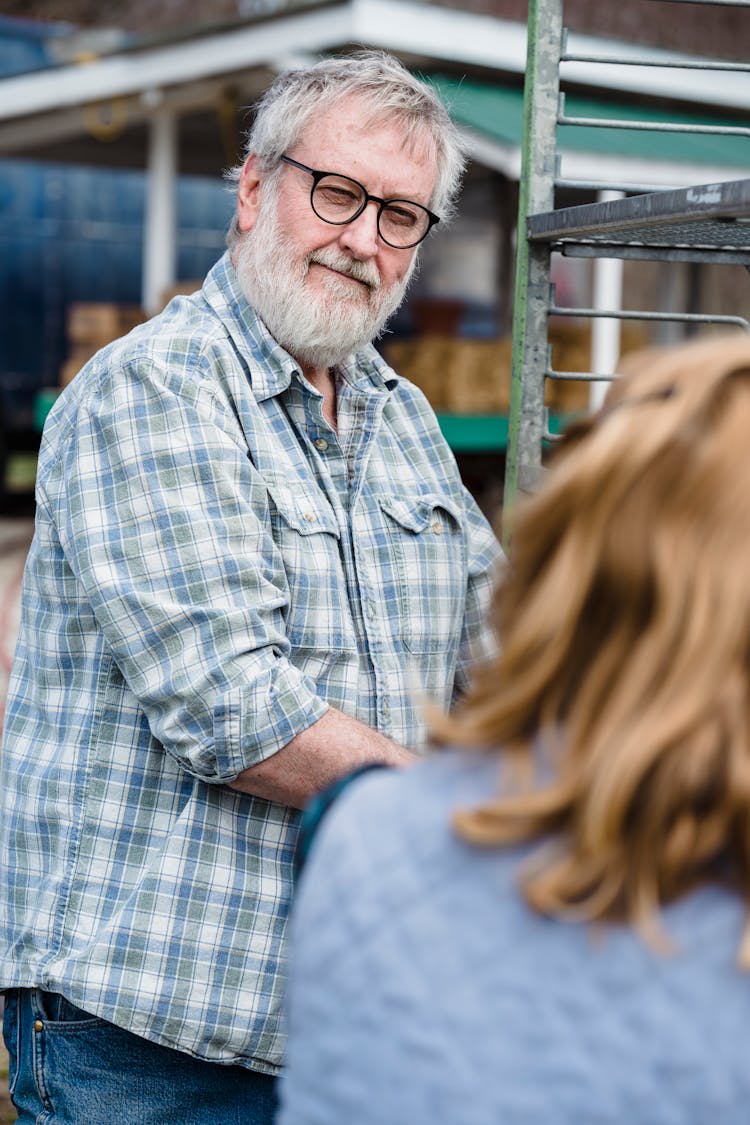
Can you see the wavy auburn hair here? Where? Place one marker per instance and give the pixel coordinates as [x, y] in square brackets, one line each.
[622, 688]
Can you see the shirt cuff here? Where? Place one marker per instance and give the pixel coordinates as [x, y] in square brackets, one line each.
[253, 722]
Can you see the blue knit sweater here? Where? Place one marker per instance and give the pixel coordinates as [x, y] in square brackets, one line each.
[425, 992]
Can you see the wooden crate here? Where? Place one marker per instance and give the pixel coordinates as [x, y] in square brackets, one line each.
[92, 324]
[95, 323]
[180, 289]
[457, 375]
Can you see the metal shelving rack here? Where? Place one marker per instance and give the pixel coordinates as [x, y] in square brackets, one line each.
[703, 223]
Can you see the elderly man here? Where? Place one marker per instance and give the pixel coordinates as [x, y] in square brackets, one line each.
[254, 559]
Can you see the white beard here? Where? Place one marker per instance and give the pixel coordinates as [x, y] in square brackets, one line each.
[318, 329]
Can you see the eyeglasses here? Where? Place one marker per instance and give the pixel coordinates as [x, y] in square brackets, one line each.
[340, 200]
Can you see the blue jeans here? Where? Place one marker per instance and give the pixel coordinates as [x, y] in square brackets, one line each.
[71, 1068]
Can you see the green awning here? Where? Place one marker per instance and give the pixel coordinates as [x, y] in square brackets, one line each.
[497, 112]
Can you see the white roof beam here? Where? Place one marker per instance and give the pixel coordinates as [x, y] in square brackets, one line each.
[447, 33]
[53, 126]
[441, 33]
[596, 166]
[424, 30]
[204, 57]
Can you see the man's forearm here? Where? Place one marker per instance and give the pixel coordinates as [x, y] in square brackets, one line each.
[325, 751]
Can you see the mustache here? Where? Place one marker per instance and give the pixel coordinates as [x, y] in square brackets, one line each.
[366, 272]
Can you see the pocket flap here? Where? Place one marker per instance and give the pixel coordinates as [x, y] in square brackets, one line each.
[307, 512]
[417, 513]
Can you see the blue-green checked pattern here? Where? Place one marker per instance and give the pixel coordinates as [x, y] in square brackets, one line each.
[204, 580]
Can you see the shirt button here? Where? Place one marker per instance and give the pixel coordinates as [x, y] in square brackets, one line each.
[437, 527]
[309, 517]
[321, 444]
[38, 1025]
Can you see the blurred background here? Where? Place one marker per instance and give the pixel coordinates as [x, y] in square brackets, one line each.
[116, 123]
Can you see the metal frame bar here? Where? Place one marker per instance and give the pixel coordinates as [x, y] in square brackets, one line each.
[531, 298]
[716, 3]
[675, 64]
[635, 314]
[642, 226]
[610, 249]
[653, 126]
[728, 200]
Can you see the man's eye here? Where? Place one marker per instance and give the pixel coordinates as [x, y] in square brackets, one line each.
[402, 216]
[334, 195]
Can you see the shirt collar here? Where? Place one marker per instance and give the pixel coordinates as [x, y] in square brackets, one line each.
[271, 367]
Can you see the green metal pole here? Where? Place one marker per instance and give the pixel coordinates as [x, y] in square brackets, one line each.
[531, 293]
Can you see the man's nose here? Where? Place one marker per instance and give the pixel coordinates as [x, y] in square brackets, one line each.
[360, 237]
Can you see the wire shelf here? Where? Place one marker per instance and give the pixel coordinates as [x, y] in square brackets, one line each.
[705, 220]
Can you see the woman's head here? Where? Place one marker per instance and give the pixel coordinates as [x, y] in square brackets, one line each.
[624, 625]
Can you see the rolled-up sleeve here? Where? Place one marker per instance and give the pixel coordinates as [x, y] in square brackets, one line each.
[163, 521]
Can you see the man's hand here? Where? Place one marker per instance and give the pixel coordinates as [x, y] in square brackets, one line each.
[318, 756]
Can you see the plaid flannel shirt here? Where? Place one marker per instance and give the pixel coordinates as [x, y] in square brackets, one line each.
[212, 567]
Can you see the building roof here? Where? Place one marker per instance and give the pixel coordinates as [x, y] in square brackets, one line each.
[96, 108]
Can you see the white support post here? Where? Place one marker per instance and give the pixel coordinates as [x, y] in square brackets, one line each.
[160, 228]
[605, 331]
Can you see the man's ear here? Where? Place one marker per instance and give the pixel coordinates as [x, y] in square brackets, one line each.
[249, 193]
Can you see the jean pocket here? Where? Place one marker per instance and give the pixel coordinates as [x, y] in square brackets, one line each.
[55, 1009]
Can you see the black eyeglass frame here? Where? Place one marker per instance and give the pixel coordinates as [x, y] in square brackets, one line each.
[317, 176]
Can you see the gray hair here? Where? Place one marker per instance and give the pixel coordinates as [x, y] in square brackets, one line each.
[395, 95]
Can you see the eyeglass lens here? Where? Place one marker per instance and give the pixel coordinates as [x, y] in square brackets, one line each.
[337, 199]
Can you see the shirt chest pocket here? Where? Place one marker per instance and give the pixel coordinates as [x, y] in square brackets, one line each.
[427, 556]
[307, 536]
